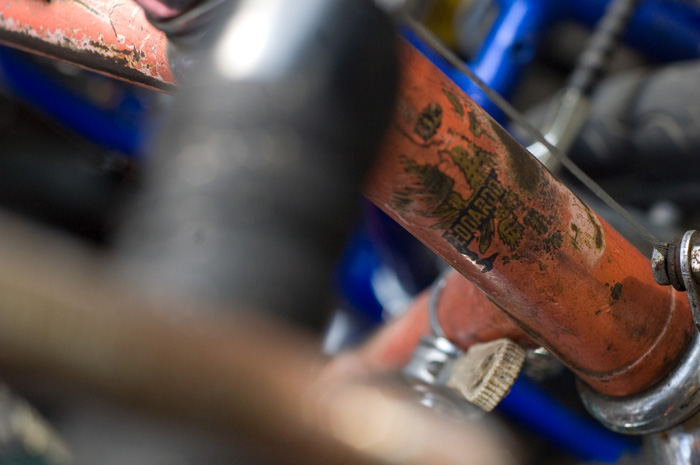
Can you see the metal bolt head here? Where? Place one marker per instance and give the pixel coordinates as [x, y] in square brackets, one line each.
[541, 365]
[431, 361]
[674, 263]
[658, 268]
[695, 262]
[485, 374]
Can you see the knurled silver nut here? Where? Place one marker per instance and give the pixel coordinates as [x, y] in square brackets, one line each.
[485, 374]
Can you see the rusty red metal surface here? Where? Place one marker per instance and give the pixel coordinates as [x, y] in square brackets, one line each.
[460, 183]
[465, 314]
[111, 37]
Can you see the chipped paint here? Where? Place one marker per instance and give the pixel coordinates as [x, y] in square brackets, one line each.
[111, 37]
[472, 194]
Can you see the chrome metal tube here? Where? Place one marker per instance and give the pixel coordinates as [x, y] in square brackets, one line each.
[677, 446]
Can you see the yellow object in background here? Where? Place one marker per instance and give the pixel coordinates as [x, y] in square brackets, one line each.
[440, 19]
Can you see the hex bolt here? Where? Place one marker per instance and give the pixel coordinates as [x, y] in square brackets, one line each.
[658, 268]
[674, 264]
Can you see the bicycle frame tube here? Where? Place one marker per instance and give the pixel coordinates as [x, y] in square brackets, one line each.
[457, 181]
[111, 37]
[460, 183]
[464, 313]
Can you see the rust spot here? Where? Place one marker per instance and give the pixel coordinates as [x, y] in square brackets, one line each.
[598, 231]
[117, 66]
[616, 292]
[83, 32]
[99, 45]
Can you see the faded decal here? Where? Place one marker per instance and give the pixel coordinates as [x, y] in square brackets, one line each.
[429, 121]
[489, 214]
[456, 104]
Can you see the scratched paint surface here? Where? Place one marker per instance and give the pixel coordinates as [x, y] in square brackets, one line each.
[456, 180]
[112, 37]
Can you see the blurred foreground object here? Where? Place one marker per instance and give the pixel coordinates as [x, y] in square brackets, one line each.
[253, 189]
[25, 437]
[63, 316]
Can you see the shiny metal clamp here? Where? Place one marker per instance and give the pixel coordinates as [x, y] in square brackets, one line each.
[662, 407]
[482, 376]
